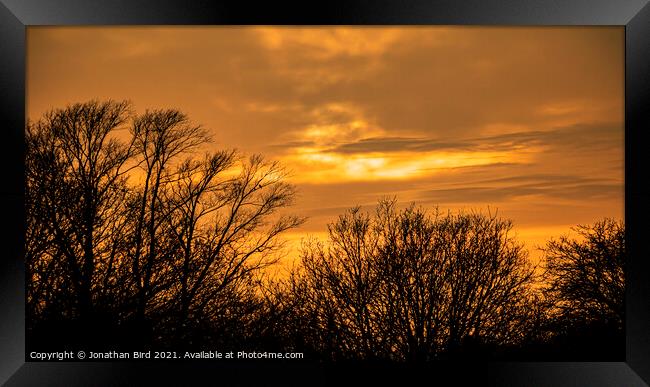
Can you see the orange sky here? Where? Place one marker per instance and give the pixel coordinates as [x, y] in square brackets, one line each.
[526, 120]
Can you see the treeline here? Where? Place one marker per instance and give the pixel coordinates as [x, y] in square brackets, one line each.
[136, 240]
[418, 285]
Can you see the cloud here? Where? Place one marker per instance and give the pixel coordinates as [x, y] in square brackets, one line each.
[538, 187]
[403, 82]
[529, 118]
[577, 135]
[326, 43]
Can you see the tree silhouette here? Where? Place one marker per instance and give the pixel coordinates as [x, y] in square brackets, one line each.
[585, 276]
[159, 138]
[139, 234]
[409, 285]
[585, 288]
[75, 193]
[219, 254]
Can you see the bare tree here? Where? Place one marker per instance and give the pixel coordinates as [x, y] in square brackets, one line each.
[339, 282]
[134, 225]
[160, 138]
[227, 229]
[75, 192]
[411, 285]
[585, 275]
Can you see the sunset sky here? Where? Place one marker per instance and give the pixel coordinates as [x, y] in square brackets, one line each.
[528, 121]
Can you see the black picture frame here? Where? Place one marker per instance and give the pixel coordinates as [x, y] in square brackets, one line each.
[16, 15]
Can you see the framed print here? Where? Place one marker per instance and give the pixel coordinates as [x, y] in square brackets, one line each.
[309, 194]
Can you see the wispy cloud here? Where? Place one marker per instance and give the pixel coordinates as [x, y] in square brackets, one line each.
[577, 135]
[539, 190]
